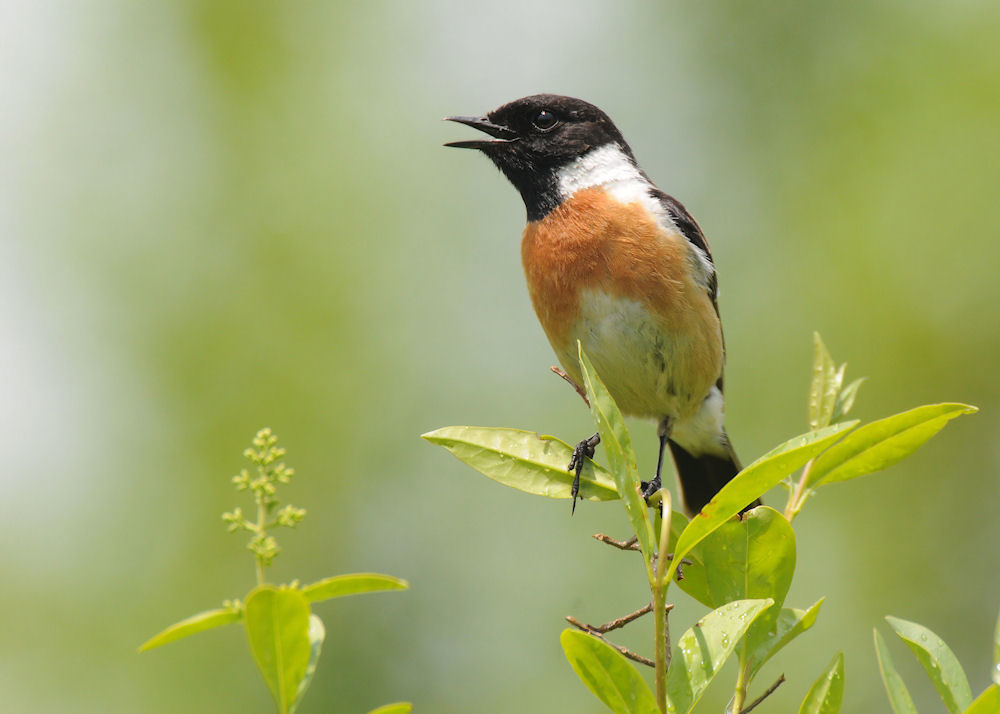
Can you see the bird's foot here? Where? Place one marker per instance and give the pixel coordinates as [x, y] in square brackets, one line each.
[581, 452]
[650, 487]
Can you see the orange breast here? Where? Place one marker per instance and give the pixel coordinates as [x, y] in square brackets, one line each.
[594, 245]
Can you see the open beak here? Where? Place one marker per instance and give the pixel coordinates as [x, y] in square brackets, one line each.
[502, 134]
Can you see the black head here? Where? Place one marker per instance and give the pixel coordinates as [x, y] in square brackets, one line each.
[536, 136]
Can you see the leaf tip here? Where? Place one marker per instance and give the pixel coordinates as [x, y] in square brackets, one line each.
[896, 623]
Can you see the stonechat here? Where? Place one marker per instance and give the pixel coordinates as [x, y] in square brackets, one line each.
[616, 263]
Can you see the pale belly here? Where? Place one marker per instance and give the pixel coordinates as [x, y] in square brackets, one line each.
[650, 370]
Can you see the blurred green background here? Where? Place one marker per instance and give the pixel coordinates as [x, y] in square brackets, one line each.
[217, 216]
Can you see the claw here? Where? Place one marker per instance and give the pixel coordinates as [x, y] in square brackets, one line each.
[581, 452]
[649, 489]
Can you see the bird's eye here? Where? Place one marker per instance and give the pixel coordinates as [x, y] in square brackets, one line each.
[544, 120]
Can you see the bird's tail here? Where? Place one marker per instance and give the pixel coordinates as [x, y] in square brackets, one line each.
[703, 476]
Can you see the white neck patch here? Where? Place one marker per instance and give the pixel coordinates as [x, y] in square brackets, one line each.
[611, 169]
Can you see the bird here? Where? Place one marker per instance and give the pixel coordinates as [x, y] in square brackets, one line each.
[622, 267]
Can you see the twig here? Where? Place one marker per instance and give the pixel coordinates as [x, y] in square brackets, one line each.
[630, 544]
[680, 566]
[579, 390]
[768, 692]
[623, 620]
[623, 650]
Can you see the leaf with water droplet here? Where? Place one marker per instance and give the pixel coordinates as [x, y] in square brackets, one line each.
[790, 624]
[753, 557]
[755, 480]
[827, 693]
[700, 652]
[938, 661]
[524, 460]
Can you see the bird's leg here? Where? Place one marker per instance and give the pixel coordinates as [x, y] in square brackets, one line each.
[651, 487]
[583, 451]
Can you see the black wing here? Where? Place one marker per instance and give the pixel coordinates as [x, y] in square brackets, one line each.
[690, 229]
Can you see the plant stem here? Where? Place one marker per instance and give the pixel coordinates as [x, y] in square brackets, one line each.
[660, 619]
[261, 527]
[740, 695]
[659, 584]
[797, 499]
[664, 546]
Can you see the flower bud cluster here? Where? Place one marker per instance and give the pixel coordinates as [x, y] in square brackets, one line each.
[262, 482]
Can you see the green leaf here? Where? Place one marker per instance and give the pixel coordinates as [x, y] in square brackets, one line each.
[845, 400]
[827, 693]
[695, 580]
[607, 674]
[986, 703]
[397, 708]
[524, 460]
[621, 458]
[751, 558]
[791, 623]
[996, 653]
[883, 443]
[825, 387]
[317, 633]
[899, 696]
[755, 480]
[352, 584]
[701, 651]
[196, 623]
[938, 661]
[277, 624]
